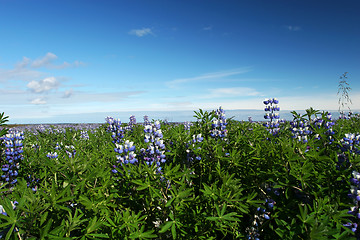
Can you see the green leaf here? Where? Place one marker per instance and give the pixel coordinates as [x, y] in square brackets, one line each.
[99, 235]
[169, 202]
[93, 225]
[45, 230]
[43, 218]
[173, 231]
[11, 231]
[166, 226]
[212, 218]
[110, 221]
[229, 216]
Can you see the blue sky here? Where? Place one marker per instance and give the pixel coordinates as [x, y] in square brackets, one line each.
[79, 57]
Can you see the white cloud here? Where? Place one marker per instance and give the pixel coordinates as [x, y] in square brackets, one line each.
[24, 63]
[293, 28]
[24, 70]
[215, 75]
[44, 61]
[178, 105]
[232, 92]
[44, 85]
[47, 60]
[22, 74]
[68, 94]
[38, 101]
[208, 28]
[89, 97]
[67, 65]
[141, 32]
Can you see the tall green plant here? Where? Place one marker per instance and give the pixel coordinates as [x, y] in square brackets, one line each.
[343, 89]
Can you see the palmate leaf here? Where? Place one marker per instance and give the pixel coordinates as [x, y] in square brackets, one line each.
[143, 235]
[2, 121]
[222, 216]
[229, 217]
[174, 224]
[210, 192]
[93, 225]
[142, 185]
[3, 132]
[13, 216]
[3, 219]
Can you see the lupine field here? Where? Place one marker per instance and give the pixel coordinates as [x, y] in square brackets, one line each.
[214, 178]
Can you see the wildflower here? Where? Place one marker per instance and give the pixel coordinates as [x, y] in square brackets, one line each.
[70, 151]
[350, 142]
[146, 120]
[355, 195]
[84, 135]
[52, 155]
[32, 182]
[58, 147]
[126, 153]
[271, 114]
[155, 151]
[219, 124]
[300, 130]
[13, 155]
[115, 127]
[262, 214]
[187, 126]
[191, 156]
[132, 123]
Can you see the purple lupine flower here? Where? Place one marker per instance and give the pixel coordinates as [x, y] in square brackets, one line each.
[155, 151]
[84, 135]
[219, 125]
[187, 126]
[132, 123]
[300, 130]
[349, 115]
[132, 120]
[115, 127]
[52, 155]
[270, 108]
[13, 152]
[350, 143]
[126, 153]
[262, 214]
[58, 147]
[355, 195]
[190, 155]
[32, 182]
[352, 226]
[70, 151]
[146, 120]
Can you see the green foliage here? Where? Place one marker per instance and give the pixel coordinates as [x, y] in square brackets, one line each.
[217, 196]
[3, 120]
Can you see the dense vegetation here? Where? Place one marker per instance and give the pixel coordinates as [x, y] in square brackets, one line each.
[215, 178]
